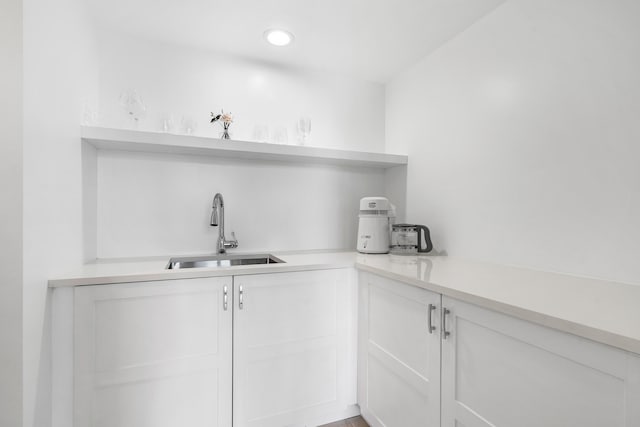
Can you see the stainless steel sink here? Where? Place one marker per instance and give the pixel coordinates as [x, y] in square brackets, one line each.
[222, 261]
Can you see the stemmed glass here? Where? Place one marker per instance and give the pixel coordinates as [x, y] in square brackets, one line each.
[304, 129]
[132, 106]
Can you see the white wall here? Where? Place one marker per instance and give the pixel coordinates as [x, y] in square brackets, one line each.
[11, 213]
[60, 74]
[522, 135]
[345, 112]
[160, 204]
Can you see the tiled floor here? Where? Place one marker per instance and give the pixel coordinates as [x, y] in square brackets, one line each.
[351, 422]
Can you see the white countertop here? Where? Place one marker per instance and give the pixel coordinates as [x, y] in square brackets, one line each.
[599, 310]
[607, 312]
[146, 269]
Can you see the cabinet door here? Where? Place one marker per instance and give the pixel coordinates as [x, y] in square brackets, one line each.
[154, 354]
[294, 348]
[502, 371]
[398, 357]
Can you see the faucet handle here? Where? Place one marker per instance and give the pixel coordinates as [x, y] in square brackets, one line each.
[234, 241]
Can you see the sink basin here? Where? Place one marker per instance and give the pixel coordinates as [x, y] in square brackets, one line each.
[221, 261]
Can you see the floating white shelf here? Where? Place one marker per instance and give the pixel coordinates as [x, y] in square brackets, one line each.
[157, 142]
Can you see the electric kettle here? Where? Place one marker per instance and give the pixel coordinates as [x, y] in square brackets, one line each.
[407, 239]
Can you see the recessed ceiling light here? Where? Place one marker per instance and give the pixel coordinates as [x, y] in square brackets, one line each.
[278, 37]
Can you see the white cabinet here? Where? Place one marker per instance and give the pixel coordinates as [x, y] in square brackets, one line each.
[186, 353]
[494, 370]
[399, 356]
[294, 348]
[501, 371]
[154, 354]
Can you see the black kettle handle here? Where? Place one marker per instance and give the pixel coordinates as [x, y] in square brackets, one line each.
[427, 239]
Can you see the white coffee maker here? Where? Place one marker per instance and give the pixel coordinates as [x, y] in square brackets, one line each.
[374, 229]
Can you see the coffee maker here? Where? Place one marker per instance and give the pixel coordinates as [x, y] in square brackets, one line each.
[377, 215]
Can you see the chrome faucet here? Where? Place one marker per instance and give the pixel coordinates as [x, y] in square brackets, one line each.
[217, 219]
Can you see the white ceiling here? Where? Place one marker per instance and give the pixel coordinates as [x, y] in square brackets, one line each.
[369, 39]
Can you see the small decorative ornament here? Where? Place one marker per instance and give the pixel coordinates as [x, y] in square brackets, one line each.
[226, 119]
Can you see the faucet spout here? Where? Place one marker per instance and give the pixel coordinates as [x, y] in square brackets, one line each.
[218, 201]
[217, 219]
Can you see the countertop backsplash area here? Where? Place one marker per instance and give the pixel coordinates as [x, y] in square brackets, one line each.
[157, 204]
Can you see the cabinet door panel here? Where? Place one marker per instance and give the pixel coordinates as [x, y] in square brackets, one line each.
[498, 370]
[180, 399]
[145, 325]
[294, 360]
[396, 317]
[273, 380]
[399, 360]
[153, 354]
[393, 399]
[288, 310]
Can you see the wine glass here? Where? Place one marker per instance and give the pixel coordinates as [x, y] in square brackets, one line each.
[189, 125]
[169, 123]
[261, 133]
[280, 135]
[90, 116]
[304, 129]
[132, 106]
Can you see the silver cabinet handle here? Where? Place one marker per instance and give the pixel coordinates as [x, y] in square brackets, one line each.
[225, 298]
[241, 298]
[445, 333]
[432, 308]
